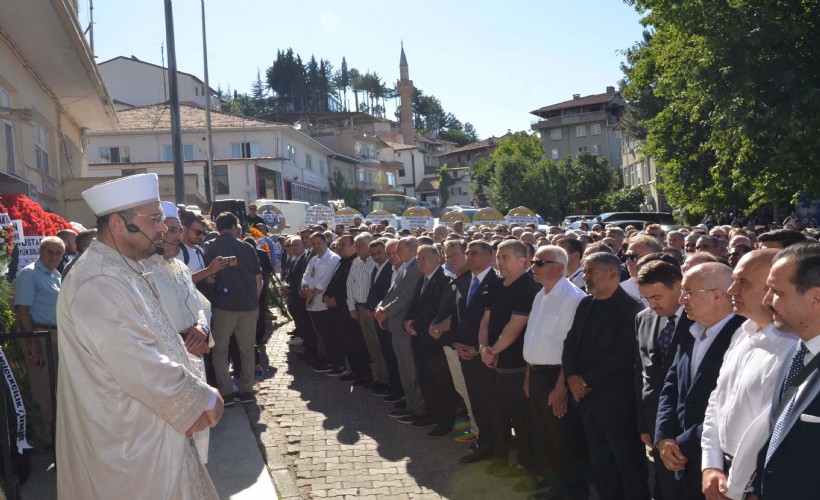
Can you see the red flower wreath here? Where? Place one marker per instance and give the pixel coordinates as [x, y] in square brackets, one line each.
[36, 221]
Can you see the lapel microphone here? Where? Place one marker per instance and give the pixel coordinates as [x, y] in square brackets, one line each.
[133, 228]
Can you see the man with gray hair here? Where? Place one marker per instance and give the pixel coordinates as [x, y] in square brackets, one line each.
[693, 374]
[559, 440]
[440, 233]
[639, 247]
[598, 361]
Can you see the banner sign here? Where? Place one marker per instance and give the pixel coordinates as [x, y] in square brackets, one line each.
[488, 217]
[522, 216]
[318, 213]
[345, 216]
[17, 401]
[417, 217]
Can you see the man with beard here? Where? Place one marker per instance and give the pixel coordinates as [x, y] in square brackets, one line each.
[788, 462]
[127, 397]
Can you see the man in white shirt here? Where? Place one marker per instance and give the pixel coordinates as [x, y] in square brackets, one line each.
[737, 418]
[318, 273]
[557, 429]
[575, 251]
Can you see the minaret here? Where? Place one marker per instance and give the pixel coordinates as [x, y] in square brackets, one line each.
[405, 87]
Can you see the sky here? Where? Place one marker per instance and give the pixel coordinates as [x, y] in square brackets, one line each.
[489, 63]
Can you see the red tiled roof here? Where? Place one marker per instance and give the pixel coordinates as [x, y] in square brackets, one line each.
[574, 103]
[428, 184]
[158, 117]
[482, 144]
[399, 146]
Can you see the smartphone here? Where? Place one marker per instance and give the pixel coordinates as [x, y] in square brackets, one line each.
[231, 260]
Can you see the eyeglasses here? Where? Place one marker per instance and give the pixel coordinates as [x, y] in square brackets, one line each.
[156, 219]
[53, 253]
[685, 294]
[541, 263]
[174, 230]
[632, 256]
[198, 232]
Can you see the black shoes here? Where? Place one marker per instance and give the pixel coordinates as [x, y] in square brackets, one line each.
[392, 398]
[475, 456]
[441, 430]
[245, 397]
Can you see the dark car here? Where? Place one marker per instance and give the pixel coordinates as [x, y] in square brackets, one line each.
[651, 217]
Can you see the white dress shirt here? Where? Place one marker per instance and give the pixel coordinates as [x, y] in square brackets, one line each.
[577, 278]
[550, 320]
[630, 286]
[702, 346]
[737, 419]
[317, 275]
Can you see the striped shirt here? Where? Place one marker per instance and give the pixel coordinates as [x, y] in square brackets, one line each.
[358, 282]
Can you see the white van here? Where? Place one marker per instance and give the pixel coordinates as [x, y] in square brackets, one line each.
[293, 212]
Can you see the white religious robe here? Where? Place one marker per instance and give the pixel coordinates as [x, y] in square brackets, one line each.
[187, 308]
[126, 392]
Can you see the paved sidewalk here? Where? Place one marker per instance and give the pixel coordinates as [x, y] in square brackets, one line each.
[336, 441]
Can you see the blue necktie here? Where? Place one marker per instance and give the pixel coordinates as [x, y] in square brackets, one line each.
[424, 284]
[665, 337]
[373, 276]
[794, 369]
[473, 290]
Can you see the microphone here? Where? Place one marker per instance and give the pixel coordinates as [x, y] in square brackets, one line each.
[133, 228]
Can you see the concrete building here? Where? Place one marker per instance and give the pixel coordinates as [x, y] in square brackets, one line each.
[252, 158]
[640, 170]
[582, 124]
[459, 161]
[135, 83]
[51, 93]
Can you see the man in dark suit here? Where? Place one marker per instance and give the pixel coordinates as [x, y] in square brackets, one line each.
[475, 295]
[788, 463]
[295, 270]
[380, 280]
[390, 315]
[431, 364]
[659, 328]
[599, 363]
[693, 374]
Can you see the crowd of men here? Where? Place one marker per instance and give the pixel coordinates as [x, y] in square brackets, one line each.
[564, 358]
[576, 355]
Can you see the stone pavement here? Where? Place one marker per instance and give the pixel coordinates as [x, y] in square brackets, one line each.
[323, 438]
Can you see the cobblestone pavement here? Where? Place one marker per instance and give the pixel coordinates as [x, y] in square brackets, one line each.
[323, 438]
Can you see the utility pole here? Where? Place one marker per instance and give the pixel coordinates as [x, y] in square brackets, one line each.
[209, 144]
[173, 85]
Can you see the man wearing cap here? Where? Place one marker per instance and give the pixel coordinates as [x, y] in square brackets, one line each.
[128, 398]
[187, 308]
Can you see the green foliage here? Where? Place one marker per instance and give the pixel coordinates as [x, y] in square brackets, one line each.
[735, 85]
[627, 199]
[445, 182]
[340, 189]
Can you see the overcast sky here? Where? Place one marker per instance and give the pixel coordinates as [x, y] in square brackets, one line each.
[489, 63]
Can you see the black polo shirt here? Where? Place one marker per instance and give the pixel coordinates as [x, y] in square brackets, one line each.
[515, 299]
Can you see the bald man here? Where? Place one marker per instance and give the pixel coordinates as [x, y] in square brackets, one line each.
[694, 372]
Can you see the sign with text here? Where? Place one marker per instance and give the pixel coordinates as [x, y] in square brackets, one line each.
[417, 217]
[318, 213]
[521, 216]
[18, 231]
[488, 217]
[455, 216]
[377, 216]
[345, 216]
[28, 250]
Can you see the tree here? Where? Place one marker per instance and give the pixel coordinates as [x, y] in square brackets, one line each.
[739, 82]
[340, 189]
[445, 182]
[627, 199]
[342, 80]
[590, 180]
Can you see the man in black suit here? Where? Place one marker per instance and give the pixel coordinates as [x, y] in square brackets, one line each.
[381, 279]
[475, 295]
[599, 363]
[431, 364]
[789, 461]
[295, 270]
[659, 329]
[693, 374]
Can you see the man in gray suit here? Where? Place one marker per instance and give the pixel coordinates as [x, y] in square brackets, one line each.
[788, 463]
[390, 314]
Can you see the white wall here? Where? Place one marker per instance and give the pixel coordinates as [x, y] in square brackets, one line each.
[141, 84]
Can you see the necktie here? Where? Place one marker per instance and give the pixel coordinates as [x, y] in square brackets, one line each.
[373, 276]
[794, 369]
[665, 337]
[473, 290]
[424, 284]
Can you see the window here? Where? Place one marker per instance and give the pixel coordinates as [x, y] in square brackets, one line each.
[595, 129]
[580, 131]
[119, 154]
[555, 134]
[365, 149]
[582, 149]
[596, 149]
[221, 184]
[245, 150]
[308, 162]
[391, 179]
[8, 133]
[349, 177]
[556, 153]
[187, 152]
[290, 153]
[360, 175]
[41, 148]
[322, 167]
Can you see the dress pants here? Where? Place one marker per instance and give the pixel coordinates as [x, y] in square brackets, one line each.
[325, 346]
[617, 455]
[517, 409]
[435, 382]
[454, 363]
[494, 429]
[40, 386]
[665, 487]
[386, 343]
[304, 327]
[242, 325]
[560, 446]
[406, 362]
[350, 341]
[371, 340]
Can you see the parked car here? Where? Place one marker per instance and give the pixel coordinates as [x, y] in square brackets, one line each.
[651, 217]
[569, 219]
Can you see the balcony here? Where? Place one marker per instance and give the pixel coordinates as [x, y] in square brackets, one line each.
[558, 121]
